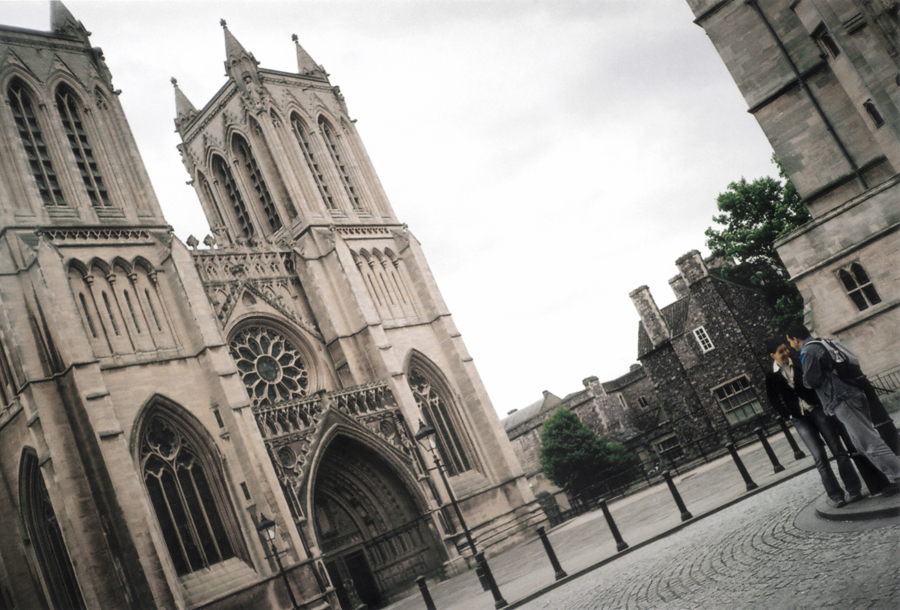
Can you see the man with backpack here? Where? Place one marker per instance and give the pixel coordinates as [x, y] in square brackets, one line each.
[794, 401]
[846, 402]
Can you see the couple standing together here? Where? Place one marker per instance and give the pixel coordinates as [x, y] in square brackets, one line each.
[808, 390]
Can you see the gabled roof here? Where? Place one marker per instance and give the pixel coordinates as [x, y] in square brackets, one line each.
[536, 409]
[675, 316]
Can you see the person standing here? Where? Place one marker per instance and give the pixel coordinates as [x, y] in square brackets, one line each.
[846, 403]
[794, 401]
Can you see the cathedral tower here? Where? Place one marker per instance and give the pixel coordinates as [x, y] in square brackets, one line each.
[157, 401]
[340, 333]
[133, 470]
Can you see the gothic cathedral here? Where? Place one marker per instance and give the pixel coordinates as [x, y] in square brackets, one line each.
[160, 403]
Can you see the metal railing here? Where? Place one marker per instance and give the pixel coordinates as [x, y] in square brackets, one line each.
[642, 476]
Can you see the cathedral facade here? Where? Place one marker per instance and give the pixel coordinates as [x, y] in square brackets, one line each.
[159, 400]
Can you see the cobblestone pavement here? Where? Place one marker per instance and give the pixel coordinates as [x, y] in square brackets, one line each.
[750, 555]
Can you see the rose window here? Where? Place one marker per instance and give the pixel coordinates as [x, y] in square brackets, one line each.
[270, 366]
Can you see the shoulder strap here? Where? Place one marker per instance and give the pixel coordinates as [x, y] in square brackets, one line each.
[838, 348]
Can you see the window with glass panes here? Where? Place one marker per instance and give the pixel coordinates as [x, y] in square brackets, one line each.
[859, 287]
[738, 400]
[669, 448]
[703, 339]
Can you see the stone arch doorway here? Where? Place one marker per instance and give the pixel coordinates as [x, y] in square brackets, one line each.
[372, 528]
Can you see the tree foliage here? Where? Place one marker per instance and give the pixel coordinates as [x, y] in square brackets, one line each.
[573, 457]
[754, 215]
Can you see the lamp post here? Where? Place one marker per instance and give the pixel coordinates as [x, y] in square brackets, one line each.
[267, 527]
[425, 437]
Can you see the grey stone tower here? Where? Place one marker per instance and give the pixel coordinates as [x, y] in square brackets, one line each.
[308, 255]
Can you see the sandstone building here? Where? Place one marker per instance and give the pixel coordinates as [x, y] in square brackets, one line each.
[156, 401]
[822, 79]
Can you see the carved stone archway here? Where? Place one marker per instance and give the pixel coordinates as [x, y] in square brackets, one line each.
[371, 527]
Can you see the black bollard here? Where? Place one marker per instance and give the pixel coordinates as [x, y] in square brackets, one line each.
[621, 545]
[554, 562]
[740, 467]
[685, 515]
[426, 596]
[765, 443]
[499, 602]
[798, 454]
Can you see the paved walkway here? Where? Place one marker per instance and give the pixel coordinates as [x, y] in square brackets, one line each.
[753, 555]
[585, 543]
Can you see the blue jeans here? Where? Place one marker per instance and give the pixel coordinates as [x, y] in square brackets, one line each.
[810, 427]
[853, 411]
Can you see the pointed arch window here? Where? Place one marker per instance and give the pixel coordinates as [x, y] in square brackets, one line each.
[303, 138]
[46, 537]
[67, 104]
[35, 148]
[242, 150]
[439, 413]
[343, 171]
[187, 495]
[224, 177]
[859, 287]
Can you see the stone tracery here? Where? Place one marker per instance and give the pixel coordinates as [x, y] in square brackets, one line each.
[270, 366]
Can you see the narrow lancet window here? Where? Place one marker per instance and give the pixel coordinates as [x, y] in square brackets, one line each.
[35, 148]
[242, 150]
[343, 171]
[67, 104]
[303, 139]
[223, 175]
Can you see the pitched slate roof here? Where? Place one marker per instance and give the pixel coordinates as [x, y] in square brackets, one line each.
[675, 316]
[546, 403]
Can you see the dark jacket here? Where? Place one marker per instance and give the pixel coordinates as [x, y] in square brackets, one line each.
[782, 397]
[818, 373]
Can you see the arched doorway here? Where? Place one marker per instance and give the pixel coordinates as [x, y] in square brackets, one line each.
[372, 529]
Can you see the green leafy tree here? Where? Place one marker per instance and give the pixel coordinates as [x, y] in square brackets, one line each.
[575, 458]
[754, 215]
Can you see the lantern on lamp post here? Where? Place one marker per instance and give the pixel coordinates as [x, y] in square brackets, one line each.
[266, 527]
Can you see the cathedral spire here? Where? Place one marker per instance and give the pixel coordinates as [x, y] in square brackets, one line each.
[63, 22]
[305, 64]
[241, 66]
[184, 109]
[238, 60]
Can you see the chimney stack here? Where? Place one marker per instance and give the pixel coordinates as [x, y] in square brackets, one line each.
[692, 267]
[652, 318]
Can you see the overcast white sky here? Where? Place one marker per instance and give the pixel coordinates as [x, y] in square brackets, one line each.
[551, 156]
